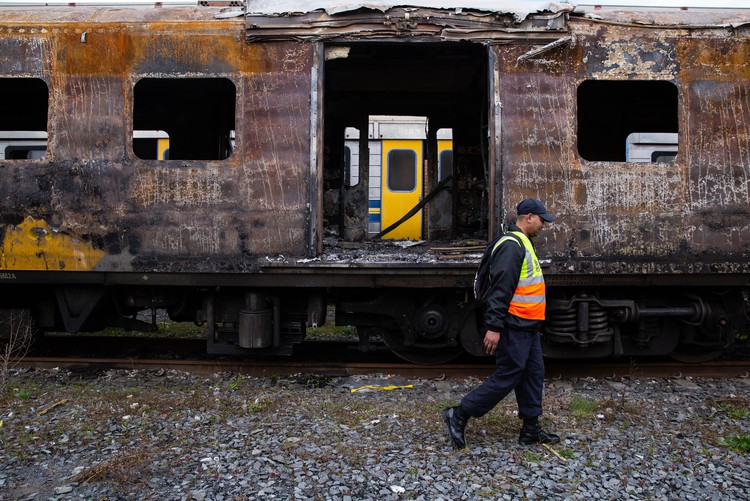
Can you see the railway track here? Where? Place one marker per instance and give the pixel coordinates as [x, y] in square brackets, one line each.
[553, 371]
[333, 359]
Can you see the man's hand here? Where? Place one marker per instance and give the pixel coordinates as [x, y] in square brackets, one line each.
[490, 341]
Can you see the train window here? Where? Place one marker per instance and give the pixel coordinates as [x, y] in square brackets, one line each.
[609, 111]
[402, 170]
[646, 147]
[184, 118]
[445, 162]
[23, 118]
[24, 152]
[663, 157]
[445, 153]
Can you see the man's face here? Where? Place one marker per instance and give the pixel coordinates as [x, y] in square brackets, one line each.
[535, 224]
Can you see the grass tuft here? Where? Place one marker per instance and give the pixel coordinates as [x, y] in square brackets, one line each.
[582, 407]
[739, 444]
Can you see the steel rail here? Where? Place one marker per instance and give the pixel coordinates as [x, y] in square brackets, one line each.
[267, 368]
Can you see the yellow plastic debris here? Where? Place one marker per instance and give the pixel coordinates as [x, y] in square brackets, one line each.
[381, 388]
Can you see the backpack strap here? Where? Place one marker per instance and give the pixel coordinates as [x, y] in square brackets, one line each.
[495, 245]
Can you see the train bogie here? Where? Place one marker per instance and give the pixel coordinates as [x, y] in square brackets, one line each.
[243, 168]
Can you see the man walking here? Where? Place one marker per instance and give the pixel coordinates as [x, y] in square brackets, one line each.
[513, 320]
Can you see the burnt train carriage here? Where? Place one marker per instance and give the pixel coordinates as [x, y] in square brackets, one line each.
[251, 227]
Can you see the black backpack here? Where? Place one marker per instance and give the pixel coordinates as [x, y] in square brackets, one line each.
[482, 284]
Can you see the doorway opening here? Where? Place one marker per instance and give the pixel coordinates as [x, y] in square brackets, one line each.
[405, 141]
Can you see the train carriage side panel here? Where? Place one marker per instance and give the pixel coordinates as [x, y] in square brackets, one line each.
[716, 82]
[186, 215]
[624, 217]
[678, 223]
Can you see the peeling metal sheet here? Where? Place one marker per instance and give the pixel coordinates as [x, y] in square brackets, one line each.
[663, 18]
[518, 8]
[407, 23]
[33, 17]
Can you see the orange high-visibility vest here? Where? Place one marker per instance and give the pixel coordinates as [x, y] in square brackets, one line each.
[529, 300]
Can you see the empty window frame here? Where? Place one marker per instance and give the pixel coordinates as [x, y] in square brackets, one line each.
[609, 111]
[184, 118]
[23, 118]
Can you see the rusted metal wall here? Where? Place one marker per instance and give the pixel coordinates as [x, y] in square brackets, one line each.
[119, 213]
[616, 217]
[148, 215]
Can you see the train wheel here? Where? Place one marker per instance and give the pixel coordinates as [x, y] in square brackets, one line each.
[694, 357]
[420, 356]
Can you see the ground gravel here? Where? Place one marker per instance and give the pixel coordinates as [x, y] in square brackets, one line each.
[175, 436]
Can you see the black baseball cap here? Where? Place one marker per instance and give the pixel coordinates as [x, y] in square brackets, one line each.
[534, 206]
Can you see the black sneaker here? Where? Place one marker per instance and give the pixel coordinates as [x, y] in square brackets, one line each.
[536, 435]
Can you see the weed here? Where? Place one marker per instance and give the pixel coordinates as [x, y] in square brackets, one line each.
[164, 328]
[256, 406]
[566, 452]
[235, 383]
[16, 338]
[735, 411]
[335, 332]
[740, 443]
[582, 407]
[20, 394]
[531, 456]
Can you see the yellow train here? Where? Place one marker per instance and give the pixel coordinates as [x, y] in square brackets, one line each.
[396, 148]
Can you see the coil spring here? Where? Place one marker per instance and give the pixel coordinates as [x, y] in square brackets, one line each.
[566, 321]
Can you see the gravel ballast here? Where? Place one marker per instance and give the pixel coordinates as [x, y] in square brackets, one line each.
[174, 436]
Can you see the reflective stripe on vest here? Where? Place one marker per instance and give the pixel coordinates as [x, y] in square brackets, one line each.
[529, 300]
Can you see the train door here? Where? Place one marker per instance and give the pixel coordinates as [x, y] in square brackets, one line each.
[401, 176]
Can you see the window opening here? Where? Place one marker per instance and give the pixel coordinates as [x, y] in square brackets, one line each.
[23, 118]
[445, 153]
[446, 164]
[609, 111]
[184, 118]
[402, 170]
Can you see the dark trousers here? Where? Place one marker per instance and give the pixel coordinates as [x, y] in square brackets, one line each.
[518, 366]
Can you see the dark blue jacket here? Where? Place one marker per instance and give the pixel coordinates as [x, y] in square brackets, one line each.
[505, 271]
